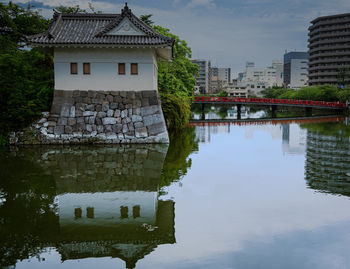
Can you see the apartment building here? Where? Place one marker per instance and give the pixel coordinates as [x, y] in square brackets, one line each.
[204, 75]
[329, 49]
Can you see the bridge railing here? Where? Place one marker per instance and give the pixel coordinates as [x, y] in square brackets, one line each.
[269, 101]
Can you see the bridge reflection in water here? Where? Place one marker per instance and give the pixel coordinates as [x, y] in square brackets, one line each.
[100, 201]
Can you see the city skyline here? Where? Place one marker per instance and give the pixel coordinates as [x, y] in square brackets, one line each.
[232, 33]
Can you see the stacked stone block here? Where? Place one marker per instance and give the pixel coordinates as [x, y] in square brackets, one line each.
[100, 117]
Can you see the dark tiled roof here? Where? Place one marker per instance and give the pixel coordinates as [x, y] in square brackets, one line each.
[86, 29]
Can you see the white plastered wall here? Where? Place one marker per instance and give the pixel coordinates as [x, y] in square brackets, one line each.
[104, 69]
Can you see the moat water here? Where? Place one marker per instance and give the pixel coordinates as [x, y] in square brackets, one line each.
[261, 195]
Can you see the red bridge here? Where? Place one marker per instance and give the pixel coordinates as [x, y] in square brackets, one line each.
[268, 102]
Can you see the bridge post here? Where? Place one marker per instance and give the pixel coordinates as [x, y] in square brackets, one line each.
[203, 113]
[273, 111]
[308, 111]
[239, 111]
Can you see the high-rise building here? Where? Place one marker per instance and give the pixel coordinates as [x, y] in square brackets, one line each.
[224, 74]
[220, 78]
[329, 49]
[295, 69]
[204, 75]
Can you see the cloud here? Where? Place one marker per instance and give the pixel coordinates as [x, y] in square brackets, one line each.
[201, 3]
[227, 32]
[103, 6]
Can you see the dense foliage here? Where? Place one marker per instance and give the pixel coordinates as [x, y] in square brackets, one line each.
[28, 216]
[26, 76]
[317, 93]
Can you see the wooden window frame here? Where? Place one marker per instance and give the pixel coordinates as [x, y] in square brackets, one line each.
[86, 68]
[121, 69]
[74, 68]
[132, 71]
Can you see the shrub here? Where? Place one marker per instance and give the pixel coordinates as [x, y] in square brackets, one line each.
[177, 110]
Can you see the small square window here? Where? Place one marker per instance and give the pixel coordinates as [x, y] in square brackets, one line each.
[134, 69]
[124, 212]
[74, 68]
[121, 68]
[86, 68]
[90, 212]
[77, 213]
[136, 211]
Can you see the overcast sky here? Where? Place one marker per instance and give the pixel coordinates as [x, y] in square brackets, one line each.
[227, 32]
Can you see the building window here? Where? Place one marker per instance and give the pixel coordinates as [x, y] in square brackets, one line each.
[121, 68]
[90, 212]
[136, 211]
[134, 69]
[86, 68]
[74, 68]
[124, 212]
[77, 213]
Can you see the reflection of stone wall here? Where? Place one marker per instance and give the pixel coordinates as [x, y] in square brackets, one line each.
[99, 117]
[327, 166]
[105, 169]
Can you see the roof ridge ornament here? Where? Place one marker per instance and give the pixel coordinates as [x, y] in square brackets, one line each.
[126, 9]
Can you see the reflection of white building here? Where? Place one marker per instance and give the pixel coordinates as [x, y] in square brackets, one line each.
[273, 130]
[108, 208]
[107, 202]
[292, 136]
[122, 224]
[204, 133]
[293, 139]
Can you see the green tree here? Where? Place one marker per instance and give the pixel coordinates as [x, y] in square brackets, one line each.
[16, 23]
[147, 19]
[26, 76]
[223, 94]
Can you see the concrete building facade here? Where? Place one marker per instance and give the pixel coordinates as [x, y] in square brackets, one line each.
[329, 49]
[295, 65]
[204, 75]
[258, 79]
[220, 79]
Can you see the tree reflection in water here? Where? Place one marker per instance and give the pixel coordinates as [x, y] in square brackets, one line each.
[90, 201]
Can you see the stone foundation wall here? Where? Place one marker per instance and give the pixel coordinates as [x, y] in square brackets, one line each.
[79, 117]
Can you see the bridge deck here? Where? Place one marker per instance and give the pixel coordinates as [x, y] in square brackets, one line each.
[268, 102]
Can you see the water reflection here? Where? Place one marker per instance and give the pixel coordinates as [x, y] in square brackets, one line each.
[89, 201]
[328, 157]
[293, 138]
